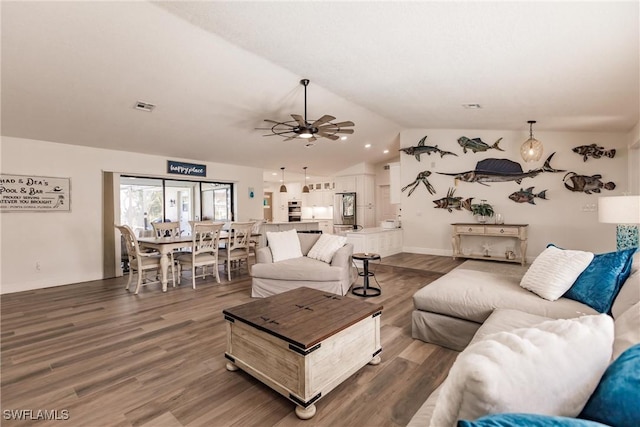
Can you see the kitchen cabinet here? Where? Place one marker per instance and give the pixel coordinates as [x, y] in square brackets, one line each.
[365, 190]
[294, 191]
[317, 198]
[345, 184]
[326, 226]
[382, 241]
[366, 215]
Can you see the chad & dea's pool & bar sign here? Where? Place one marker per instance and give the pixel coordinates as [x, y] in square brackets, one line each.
[21, 193]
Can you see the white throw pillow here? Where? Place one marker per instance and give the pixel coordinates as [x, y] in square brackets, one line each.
[554, 271]
[627, 327]
[550, 369]
[284, 245]
[326, 246]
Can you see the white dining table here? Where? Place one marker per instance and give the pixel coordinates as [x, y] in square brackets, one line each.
[166, 245]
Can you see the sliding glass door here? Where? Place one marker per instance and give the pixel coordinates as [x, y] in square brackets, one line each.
[147, 200]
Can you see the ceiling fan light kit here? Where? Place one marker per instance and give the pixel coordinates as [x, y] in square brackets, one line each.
[300, 127]
[531, 150]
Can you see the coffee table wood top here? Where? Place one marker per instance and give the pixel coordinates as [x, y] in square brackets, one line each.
[303, 317]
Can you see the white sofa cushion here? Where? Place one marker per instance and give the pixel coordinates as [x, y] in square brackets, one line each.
[326, 246]
[284, 245]
[550, 369]
[473, 295]
[554, 271]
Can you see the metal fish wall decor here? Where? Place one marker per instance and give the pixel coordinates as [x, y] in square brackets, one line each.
[450, 202]
[501, 170]
[586, 184]
[420, 149]
[527, 196]
[595, 151]
[476, 144]
[421, 178]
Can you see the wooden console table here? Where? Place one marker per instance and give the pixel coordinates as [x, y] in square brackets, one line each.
[517, 231]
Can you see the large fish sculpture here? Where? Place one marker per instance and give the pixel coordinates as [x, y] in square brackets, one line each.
[476, 144]
[586, 184]
[449, 202]
[420, 149]
[527, 196]
[594, 151]
[501, 170]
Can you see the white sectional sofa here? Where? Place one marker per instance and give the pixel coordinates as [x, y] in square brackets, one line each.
[479, 298]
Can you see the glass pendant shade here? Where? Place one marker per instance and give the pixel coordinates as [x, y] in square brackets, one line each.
[283, 188]
[531, 150]
[305, 189]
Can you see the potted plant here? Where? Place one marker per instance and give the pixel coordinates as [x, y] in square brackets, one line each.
[482, 211]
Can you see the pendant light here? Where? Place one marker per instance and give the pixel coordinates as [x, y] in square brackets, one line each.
[283, 188]
[305, 189]
[531, 149]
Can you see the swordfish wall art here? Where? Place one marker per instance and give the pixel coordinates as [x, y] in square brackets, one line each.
[496, 170]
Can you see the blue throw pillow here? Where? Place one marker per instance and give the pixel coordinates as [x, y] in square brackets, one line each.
[616, 400]
[529, 420]
[598, 285]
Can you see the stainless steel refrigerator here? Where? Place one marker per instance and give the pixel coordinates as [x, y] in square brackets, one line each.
[344, 209]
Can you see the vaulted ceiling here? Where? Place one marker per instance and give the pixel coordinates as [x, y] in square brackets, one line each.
[72, 72]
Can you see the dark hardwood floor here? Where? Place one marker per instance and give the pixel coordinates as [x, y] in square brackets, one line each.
[105, 357]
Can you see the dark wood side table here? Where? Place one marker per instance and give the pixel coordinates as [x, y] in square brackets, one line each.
[366, 290]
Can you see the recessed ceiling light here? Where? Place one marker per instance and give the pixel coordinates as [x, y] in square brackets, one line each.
[274, 173]
[367, 146]
[343, 138]
[385, 151]
[472, 106]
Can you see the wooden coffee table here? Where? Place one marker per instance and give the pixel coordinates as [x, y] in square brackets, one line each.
[303, 343]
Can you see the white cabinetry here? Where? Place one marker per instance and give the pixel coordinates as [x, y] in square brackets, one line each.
[366, 215]
[345, 184]
[317, 198]
[365, 190]
[294, 191]
[326, 226]
[377, 240]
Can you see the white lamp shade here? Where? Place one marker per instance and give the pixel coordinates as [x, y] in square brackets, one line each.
[619, 209]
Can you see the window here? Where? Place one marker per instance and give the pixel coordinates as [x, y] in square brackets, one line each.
[147, 200]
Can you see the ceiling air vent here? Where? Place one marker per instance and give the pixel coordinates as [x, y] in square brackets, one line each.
[387, 167]
[144, 106]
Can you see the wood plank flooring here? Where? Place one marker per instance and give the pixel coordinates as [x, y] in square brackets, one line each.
[111, 358]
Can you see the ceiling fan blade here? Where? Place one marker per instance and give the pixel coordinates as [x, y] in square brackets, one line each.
[313, 138]
[324, 119]
[349, 131]
[298, 118]
[328, 135]
[290, 138]
[272, 121]
[343, 124]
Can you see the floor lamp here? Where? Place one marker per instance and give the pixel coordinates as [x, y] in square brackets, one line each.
[625, 212]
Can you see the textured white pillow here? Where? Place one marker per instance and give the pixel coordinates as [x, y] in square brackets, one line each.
[284, 245]
[627, 333]
[554, 271]
[326, 246]
[550, 369]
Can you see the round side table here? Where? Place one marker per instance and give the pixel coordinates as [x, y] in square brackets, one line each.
[366, 290]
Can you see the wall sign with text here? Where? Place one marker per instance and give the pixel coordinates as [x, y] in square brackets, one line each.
[20, 193]
[182, 168]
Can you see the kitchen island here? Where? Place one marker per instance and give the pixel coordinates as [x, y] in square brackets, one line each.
[304, 225]
[377, 240]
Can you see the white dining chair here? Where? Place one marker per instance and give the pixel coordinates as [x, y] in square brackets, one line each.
[169, 229]
[139, 261]
[204, 252]
[237, 246]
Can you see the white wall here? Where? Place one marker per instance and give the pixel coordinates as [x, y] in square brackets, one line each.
[560, 219]
[68, 246]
